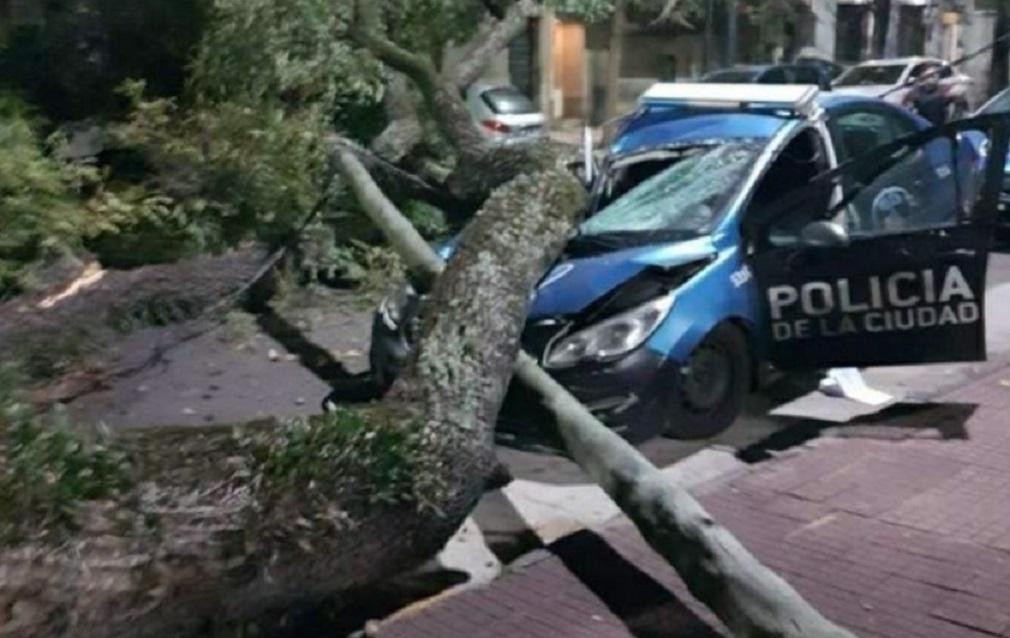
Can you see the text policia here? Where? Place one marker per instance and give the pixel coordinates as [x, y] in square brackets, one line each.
[901, 301]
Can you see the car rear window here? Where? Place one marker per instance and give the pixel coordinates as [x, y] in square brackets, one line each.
[871, 74]
[999, 104]
[508, 101]
[731, 77]
[806, 75]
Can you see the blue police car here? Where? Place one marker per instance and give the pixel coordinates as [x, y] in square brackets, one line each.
[732, 228]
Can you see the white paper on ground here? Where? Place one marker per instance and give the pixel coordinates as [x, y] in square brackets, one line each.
[849, 383]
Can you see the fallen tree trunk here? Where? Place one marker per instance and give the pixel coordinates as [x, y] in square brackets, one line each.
[189, 529]
[748, 597]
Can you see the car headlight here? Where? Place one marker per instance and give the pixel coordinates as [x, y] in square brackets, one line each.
[391, 309]
[611, 337]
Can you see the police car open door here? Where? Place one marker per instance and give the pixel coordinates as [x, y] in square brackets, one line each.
[883, 260]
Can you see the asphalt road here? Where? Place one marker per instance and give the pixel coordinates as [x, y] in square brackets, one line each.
[243, 371]
[799, 398]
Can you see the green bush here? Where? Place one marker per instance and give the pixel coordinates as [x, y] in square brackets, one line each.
[47, 469]
[41, 210]
[220, 173]
[243, 154]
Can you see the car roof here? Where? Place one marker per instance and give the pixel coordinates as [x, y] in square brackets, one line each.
[832, 101]
[658, 125]
[898, 61]
[744, 67]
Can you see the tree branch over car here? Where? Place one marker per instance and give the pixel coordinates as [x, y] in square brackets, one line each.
[188, 528]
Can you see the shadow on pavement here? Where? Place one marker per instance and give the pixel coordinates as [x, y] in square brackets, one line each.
[900, 421]
[649, 609]
[346, 617]
[314, 357]
[506, 532]
[346, 386]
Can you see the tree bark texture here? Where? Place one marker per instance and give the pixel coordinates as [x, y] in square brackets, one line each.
[222, 525]
[748, 597]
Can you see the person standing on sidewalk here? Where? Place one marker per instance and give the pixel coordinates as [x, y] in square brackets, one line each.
[929, 101]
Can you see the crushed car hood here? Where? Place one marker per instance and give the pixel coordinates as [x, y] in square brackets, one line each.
[573, 284]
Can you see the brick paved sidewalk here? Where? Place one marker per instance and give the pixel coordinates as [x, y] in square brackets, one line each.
[892, 538]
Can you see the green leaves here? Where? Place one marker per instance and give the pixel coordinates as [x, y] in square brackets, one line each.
[40, 207]
[290, 54]
[46, 472]
[344, 450]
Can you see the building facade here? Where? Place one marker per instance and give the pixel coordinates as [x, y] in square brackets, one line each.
[561, 62]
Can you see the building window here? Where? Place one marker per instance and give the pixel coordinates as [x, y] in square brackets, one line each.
[850, 33]
[911, 31]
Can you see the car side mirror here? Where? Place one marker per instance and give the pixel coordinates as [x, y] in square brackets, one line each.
[824, 234]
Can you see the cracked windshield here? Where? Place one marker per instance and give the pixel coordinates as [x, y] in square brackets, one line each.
[504, 318]
[680, 191]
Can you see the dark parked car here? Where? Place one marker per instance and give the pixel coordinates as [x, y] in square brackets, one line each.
[829, 68]
[771, 74]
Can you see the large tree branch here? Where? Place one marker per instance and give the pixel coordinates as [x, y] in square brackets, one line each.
[747, 596]
[416, 252]
[488, 44]
[441, 96]
[367, 31]
[220, 525]
[404, 131]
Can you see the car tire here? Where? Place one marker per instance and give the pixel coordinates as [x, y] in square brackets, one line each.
[711, 386]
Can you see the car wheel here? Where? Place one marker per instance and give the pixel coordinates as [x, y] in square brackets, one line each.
[712, 386]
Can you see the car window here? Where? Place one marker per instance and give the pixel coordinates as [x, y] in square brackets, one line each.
[799, 162]
[508, 101]
[999, 104]
[775, 75]
[871, 74]
[806, 75]
[731, 76]
[923, 68]
[684, 190]
[861, 131]
[893, 192]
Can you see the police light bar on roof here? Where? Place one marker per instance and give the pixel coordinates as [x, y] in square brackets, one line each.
[795, 98]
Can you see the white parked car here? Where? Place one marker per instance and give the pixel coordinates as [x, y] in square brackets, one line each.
[504, 114]
[896, 76]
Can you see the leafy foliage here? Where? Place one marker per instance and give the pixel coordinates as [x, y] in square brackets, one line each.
[265, 52]
[47, 470]
[588, 10]
[384, 458]
[220, 173]
[243, 155]
[40, 207]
